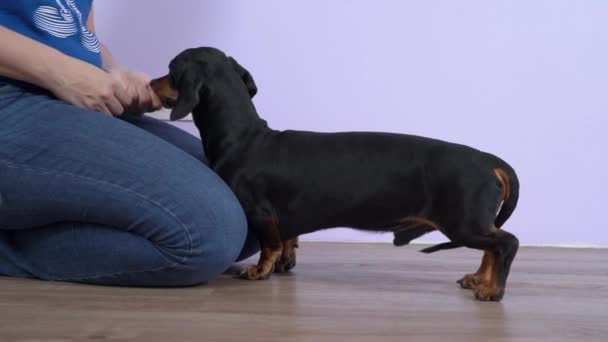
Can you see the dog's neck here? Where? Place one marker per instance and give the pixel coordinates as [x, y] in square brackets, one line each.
[227, 120]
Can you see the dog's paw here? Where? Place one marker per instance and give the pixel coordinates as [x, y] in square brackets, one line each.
[470, 281]
[254, 272]
[489, 294]
[284, 265]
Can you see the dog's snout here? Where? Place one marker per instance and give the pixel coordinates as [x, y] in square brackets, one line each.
[163, 89]
[159, 83]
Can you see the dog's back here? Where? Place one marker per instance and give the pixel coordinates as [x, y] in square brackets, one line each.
[363, 180]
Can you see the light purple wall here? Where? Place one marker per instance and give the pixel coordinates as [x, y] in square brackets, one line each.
[526, 80]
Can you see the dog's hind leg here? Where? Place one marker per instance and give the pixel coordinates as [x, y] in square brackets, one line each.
[403, 236]
[500, 248]
[287, 261]
[484, 273]
[411, 228]
[504, 251]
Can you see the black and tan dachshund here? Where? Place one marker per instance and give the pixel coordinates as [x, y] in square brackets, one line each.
[294, 182]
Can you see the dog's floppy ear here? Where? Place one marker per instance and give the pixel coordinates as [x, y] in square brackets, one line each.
[188, 88]
[245, 76]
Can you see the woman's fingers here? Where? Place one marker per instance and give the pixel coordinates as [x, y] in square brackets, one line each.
[114, 105]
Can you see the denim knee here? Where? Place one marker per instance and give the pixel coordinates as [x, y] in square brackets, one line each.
[216, 249]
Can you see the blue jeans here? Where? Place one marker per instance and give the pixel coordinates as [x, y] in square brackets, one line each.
[115, 201]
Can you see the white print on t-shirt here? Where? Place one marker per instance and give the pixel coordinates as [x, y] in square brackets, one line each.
[64, 22]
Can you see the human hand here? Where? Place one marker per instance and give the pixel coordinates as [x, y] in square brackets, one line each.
[111, 93]
[139, 97]
[89, 87]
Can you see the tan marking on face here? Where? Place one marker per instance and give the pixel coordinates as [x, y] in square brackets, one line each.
[165, 92]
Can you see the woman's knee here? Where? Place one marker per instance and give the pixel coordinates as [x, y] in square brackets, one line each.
[214, 248]
[193, 258]
[204, 226]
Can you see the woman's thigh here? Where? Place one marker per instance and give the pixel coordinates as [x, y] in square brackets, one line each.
[64, 167]
[171, 134]
[194, 147]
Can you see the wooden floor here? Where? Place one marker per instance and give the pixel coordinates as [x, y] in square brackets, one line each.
[338, 292]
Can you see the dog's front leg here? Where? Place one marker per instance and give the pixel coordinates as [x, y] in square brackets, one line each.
[287, 261]
[270, 254]
[267, 229]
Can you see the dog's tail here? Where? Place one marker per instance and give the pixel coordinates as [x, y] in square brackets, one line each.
[510, 195]
[510, 191]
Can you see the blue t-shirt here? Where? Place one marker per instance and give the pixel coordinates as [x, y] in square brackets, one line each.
[60, 24]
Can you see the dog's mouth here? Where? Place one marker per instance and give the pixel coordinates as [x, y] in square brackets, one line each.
[165, 92]
[168, 102]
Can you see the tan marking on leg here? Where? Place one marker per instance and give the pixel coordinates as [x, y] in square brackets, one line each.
[272, 248]
[485, 282]
[411, 228]
[288, 257]
[488, 289]
[483, 275]
[265, 265]
[503, 178]
[419, 221]
[492, 288]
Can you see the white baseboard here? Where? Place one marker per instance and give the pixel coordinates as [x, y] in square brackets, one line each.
[163, 114]
[422, 242]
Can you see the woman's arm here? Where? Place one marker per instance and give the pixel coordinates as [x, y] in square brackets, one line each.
[139, 95]
[107, 60]
[70, 79]
[27, 60]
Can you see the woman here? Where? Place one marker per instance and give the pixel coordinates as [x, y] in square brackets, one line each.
[89, 193]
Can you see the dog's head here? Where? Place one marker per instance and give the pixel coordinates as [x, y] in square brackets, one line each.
[192, 73]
